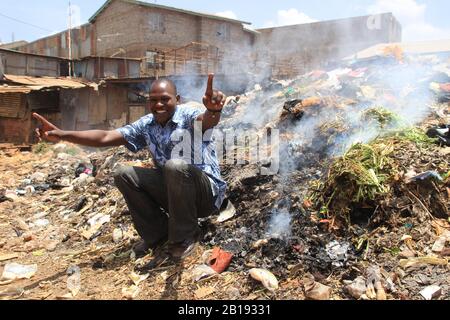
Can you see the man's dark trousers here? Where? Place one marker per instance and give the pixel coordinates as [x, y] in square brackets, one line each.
[182, 190]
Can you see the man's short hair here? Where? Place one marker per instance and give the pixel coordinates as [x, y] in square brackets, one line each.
[168, 82]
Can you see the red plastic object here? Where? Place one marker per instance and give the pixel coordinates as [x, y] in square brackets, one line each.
[220, 260]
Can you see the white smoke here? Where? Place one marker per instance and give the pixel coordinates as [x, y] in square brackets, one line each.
[280, 225]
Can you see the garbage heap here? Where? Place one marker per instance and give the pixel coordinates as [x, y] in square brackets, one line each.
[359, 208]
[363, 181]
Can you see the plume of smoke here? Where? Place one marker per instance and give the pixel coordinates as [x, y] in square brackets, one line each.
[309, 46]
[280, 225]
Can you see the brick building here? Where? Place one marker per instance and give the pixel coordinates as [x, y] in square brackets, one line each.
[164, 37]
[173, 41]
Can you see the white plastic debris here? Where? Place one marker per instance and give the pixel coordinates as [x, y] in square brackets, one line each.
[99, 219]
[14, 271]
[41, 223]
[96, 222]
[431, 292]
[439, 245]
[265, 277]
[201, 271]
[337, 252]
[228, 213]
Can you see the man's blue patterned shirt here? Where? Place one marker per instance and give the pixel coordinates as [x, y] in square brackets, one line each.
[161, 141]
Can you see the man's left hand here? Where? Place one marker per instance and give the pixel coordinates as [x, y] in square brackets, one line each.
[213, 100]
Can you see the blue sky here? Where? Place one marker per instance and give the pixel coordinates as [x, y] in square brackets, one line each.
[421, 19]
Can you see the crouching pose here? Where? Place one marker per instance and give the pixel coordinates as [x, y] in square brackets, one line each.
[165, 202]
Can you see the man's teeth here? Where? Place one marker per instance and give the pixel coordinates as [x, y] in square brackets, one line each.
[160, 112]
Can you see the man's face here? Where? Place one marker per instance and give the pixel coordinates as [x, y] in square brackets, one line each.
[163, 101]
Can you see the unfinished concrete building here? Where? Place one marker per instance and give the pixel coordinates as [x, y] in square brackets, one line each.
[173, 41]
[170, 40]
[293, 50]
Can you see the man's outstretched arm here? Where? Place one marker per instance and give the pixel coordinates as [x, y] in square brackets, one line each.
[91, 138]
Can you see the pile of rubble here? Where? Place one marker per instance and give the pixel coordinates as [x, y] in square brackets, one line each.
[358, 210]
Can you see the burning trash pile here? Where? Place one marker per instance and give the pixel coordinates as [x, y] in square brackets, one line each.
[359, 208]
[363, 182]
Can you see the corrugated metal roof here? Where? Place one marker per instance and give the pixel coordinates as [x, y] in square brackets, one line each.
[422, 47]
[15, 89]
[146, 4]
[46, 82]
[32, 54]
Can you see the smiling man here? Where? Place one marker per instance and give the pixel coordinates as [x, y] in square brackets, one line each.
[165, 202]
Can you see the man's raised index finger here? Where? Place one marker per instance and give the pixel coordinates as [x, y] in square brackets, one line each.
[209, 87]
[38, 117]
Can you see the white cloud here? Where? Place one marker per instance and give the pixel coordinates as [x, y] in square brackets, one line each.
[227, 14]
[412, 18]
[289, 17]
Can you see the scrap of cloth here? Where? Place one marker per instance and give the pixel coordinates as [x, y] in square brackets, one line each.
[162, 140]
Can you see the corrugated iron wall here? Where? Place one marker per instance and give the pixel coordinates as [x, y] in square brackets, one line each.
[12, 105]
[14, 118]
[26, 65]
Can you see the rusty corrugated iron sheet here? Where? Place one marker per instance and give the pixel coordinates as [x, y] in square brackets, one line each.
[38, 83]
[15, 89]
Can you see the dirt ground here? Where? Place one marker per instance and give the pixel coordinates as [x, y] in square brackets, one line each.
[107, 269]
